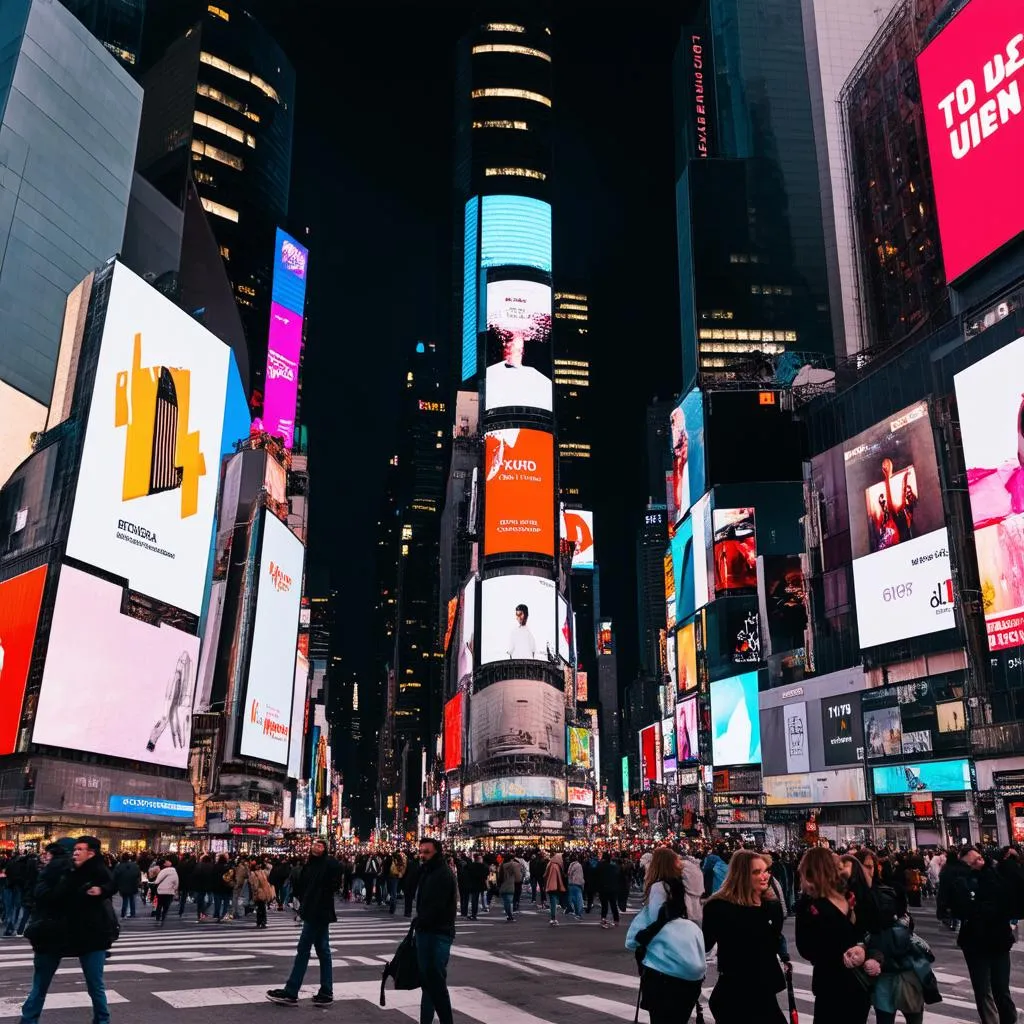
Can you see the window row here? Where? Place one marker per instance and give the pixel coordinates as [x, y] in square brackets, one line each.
[231, 69]
[220, 210]
[526, 51]
[215, 124]
[200, 148]
[502, 92]
[521, 126]
[514, 172]
[718, 334]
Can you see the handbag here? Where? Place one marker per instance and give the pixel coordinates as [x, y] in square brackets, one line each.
[403, 967]
[909, 994]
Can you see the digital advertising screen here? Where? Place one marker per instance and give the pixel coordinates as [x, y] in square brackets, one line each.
[898, 538]
[578, 527]
[971, 83]
[687, 433]
[268, 693]
[785, 602]
[146, 494]
[519, 496]
[681, 547]
[566, 632]
[735, 721]
[842, 729]
[296, 736]
[515, 232]
[735, 549]
[453, 733]
[582, 687]
[514, 788]
[467, 630]
[687, 741]
[923, 777]
[518, 345]
[671, 665]
[686, 648]
[951, 717]
[670, 590]
[517, 716]
[650, 756]
[625, 775]
[581, 795]
[915, 718]
[988, 397]
[700, 529]
[518, 620]
[20, 600]
[579, 746]
[742, 630]
[151, 669]
[668, 744]
[838, 786]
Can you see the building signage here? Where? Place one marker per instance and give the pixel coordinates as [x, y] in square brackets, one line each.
[699, 106]
[149, 806]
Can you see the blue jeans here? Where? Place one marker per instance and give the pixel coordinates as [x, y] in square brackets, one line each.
[508, 899]
[392, 892]
[128, 904]
[554, 900]
[46, 965]
[221, 902]
[312, 936]
[576, 900]
[432, 953]
[12, 908]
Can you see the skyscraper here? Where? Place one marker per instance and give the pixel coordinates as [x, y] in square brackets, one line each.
[651, 541]
[117, 24]
[573, 397]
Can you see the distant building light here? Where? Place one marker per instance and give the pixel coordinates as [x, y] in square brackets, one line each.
[514, 172]
[200, 149]
[500, 92]
[218, 12]
[526, 51]
[220, 210]
[521, 126]
[503, 26]
[231, 69]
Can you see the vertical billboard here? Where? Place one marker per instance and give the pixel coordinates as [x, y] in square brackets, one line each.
[467, 631]
[130, 663]
[668, 744]
[700, 518]
[687, 433]
[650, 756]
[266, 724]
[518, 345]
[147, 485]
[578, 749]
[296, 733]
[686, 644]
[20, 600]
[735, 721]
[284, 341]
[687, 742]
[453, 733]
[972, 76]
[519, 496]
[898, 537]
[578, 527]
[735, 549]
[681, 547]
[670, 590]
[988, 396]
[518, 619]
[842, 730]
[515, 717]
[782, 594]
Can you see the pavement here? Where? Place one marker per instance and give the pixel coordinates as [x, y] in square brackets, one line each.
[524, 972]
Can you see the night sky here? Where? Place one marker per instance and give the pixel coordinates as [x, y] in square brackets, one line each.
[372, 179]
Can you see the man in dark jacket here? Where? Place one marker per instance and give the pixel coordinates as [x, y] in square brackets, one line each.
[985, 904]
[476, 878]
[127, 877]
[435, 931]
[73, 917]
[409, 882]
[315, 890]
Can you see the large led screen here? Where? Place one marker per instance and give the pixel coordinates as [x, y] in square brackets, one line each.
[515, 232]
[467, 631]
[972, 77]
[988, 396]
[650, 755]
[670, 590]
[681, 547]
[453, 733]
[687, 431]
[20, 599]
[671, 664]
[735, 549]
[519, 496]
[514, 788]
[128, 664]
[687, 742]
[266, 724]
[296, 735]
[517, 716]
[147, 485]
[579, 746]
[518, 621]
[898, 538]
[668, 744]
[518, 345]
[735, 724]
[923, 777]
[700, 528]
[578, 527]
[686, 649]
[842, 729]
[785, 605]
[838, 786]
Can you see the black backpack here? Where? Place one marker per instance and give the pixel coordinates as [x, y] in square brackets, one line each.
[404, 967]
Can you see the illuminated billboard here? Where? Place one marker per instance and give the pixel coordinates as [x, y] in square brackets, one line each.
[687, 741]
[579, 746]
[284, 340]
[681, 547]
[735, 721]
[686, 647]
[515, 232]
[687, 431]
[781, 586]
[518, 619]
[150, 669]
[578, 527]
[513, 788]
[988, 396]
[581, 795]
[671, 666]
[453, 733]
[923, 777]
[650, 755]
[898, 538]
[670, 591]
[582, 687]
[735, 549]
[700, 528]
[972, 76]
[668, 744]
[266, 722]
[20, 599]
[518, 345]
[296, 733]
[519, 496]
[467, 631]
[517, 716]
[835, 786]
[147, 486]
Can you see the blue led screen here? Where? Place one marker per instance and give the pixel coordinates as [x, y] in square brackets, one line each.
[469, 290]
[516, 232]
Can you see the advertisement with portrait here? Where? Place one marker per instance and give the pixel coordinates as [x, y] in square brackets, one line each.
[20, 600]
[926, 716]
[670, 591]
[650, 756]
[842, 729]
[668, 744]
[735, 549]
[735, 721]
[519, 492]
[898, 537]
[781, 587]
[518, 345]
[145, 510]
[518, 619]
[453, 733]
[268, 691]
[671, 665]
[517, 716]
[578, 527]
[579, 746]
[687, 738]
[923, 777]
[700, 529]
[467, 630]
[151, 667]
[687, 434]
[838, 786]
[686, 647]
[971, 77]
[988, 396]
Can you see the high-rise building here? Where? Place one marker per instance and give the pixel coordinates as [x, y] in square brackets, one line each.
[574, 397]
[651, 542]
[659, 449]
[70, 120]
[117, 24]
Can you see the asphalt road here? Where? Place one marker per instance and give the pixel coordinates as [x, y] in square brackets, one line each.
[521, 973]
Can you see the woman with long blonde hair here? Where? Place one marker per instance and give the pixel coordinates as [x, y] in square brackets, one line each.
[744, 919]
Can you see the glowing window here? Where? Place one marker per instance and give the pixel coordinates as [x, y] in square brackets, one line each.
[526, 51]
[215, 124]
[225, 252]
[501, 92]
[218, 12]
[513, 172]
[230, 69]
[503, 26]
[215, 94]
[220, 210]
[500, 123]
[200, 148]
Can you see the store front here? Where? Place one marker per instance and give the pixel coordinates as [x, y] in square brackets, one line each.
[1001, 789]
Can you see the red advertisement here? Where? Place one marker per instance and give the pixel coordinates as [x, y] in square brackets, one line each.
[972, 78]
[519, 499]
[650, 758]
[453, 733]
[20, 599]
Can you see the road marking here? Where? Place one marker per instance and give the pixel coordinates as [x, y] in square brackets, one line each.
[11, 1006]
[111, 968]
[470, 953]
[614, 1009]
[227, 995]
[368, 961]
[586, 973]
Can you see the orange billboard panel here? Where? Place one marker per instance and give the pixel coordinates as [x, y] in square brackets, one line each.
[519, 500]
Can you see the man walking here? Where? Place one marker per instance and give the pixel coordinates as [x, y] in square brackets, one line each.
[127, 878]
[241, 878]
[435, 931]
[315, 890]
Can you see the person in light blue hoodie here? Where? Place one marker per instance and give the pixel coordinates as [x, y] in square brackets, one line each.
[668, 946]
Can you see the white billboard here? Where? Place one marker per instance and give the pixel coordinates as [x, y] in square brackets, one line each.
[114, 684]
[266, 718]
[295, 733]
[518, 620]
[517, 716]
[147, 486]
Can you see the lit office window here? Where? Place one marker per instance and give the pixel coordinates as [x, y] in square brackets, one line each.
[200, 148]
[500, 92]
[225, 252]
[526, 51]
[218, 12]
[215, 124]
[499, 123]
[503, 26]
[220, 210]
[514, 172]
[215, 94]
[222, 65]
[121, 53]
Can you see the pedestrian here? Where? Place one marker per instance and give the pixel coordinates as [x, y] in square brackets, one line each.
[127, 878]
[224, 883]
[625, 883]
[669, 947]
[278, 878]
[576, 880]
[830, 936]
[409, 882]
[241, 878]
[262, 892]
[73, 916]
[554, 886]
[608, 872]
[510, 875]
[476, 874]
[12, 876]
[317, 886]
[167, 885]
[693, 885]
[436, 901]
[744, 920]
[538, 867]
[716, 866]
[372, 876]
[984, 902]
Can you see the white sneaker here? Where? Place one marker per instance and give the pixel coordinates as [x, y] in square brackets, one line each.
[553, 923]
[604, 923]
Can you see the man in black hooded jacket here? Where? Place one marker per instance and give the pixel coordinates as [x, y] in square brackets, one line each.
[435, 930]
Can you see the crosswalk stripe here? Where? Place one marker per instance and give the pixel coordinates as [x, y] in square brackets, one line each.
[586, 973]
[610, 1006]
[225, 995]
[10, 1006]
[491, 957]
